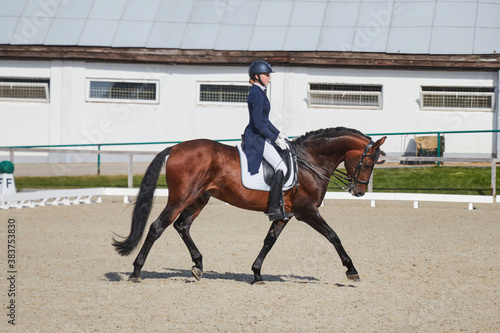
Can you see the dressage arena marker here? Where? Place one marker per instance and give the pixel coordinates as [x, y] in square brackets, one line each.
[85, 196]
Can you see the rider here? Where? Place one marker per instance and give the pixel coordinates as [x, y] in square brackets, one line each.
[262, 138]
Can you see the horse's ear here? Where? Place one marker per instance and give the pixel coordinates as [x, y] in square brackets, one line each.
[377, 144]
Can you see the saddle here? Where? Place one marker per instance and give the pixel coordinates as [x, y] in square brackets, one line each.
[262, 180]
[268, 170]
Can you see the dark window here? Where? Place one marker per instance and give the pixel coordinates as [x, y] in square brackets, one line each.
[24, 89]
[134, 91]
[345, 95]
[457, 98]
[224, 93]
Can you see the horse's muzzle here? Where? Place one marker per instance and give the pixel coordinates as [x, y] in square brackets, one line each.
[356, 192]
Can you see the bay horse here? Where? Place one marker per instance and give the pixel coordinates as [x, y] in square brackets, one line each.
[199, 169]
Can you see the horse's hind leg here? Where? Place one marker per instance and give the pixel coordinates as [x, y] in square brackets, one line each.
[183, 224]
[155, 231]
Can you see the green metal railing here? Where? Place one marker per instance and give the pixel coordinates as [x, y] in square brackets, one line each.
[99, 145]
[438, 133]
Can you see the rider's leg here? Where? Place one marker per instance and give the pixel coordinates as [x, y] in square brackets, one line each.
[276, 202]
[272, 157]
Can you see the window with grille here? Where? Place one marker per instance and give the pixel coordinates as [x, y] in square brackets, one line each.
[21, 89]
[457, 98]
[345, 95]
[223, 93]
[123, 91]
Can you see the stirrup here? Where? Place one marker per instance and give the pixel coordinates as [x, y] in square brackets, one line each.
[279, 214]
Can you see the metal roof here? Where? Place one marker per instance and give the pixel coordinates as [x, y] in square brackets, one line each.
[387, 26]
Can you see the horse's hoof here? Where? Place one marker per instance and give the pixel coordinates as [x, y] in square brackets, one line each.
[197, 273]
[257, 282]
[134, 279]
[353, 277]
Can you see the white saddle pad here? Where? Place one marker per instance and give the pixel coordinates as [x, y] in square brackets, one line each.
[256, 181]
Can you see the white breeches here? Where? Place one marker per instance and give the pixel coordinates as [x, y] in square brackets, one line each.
[273, 158]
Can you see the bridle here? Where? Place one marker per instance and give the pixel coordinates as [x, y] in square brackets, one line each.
[357, 170]
[346, 182]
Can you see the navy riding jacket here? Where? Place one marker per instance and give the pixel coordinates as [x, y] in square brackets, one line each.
[259, 128]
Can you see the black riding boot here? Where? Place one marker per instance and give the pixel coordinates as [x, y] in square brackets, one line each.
[276, 202]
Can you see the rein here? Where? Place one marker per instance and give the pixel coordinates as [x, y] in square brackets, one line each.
[339, 175]
[347, 183]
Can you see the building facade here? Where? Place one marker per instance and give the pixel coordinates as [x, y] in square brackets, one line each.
[64, 82]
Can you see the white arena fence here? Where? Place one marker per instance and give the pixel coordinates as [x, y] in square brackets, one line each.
[68, 197]
[94, 195]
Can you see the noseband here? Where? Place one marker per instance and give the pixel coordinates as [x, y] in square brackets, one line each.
[346, 182]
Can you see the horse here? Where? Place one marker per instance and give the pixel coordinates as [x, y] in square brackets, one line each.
[197, 170]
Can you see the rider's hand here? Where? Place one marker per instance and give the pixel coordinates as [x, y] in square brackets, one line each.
[281, 142]
[283, 136]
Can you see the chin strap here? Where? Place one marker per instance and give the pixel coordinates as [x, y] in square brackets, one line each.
[260, 81]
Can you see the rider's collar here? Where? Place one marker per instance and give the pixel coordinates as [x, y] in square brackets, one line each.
[260, 86]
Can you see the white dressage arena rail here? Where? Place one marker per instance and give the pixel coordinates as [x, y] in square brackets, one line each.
[415, 197]
[67, 197]
[94, 195]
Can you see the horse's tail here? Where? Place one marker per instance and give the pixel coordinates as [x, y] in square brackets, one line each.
[143, 205]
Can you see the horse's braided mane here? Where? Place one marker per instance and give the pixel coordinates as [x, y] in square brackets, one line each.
[332, 132]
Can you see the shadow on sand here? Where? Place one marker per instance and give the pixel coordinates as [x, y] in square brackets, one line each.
[185, 274]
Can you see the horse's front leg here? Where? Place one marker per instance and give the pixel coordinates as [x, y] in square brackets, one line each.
[316, 221]
[269, 241]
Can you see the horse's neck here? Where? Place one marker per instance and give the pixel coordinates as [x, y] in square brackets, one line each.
[332, 151]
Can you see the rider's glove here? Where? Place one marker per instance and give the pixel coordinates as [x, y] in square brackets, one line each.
[281, 141]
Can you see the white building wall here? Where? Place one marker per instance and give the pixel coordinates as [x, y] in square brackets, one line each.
[401, 109]
[25, 122]
[70, 119]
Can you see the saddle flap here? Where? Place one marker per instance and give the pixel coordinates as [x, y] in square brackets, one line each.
[269, 171]
[261, 181]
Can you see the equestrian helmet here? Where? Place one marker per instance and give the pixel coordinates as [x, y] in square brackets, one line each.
[258, 67]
